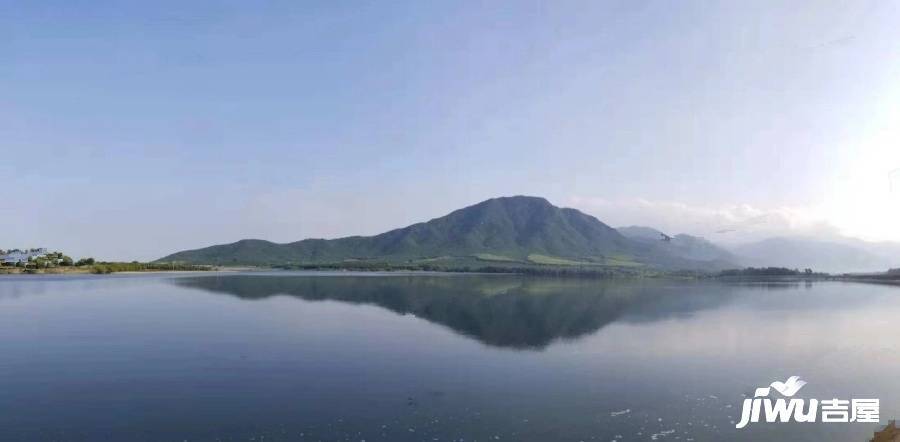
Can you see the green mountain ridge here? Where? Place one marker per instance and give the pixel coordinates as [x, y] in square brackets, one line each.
[518, 229]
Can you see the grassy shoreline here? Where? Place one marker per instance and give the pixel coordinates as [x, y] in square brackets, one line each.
[103, 268]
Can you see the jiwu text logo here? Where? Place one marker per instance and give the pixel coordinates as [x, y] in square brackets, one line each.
[789, 409]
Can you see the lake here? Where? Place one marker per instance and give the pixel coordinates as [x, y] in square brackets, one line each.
[400, 357]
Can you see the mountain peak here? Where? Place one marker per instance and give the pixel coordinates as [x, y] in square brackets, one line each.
[517, 200]
[522, 198]
[521, 229]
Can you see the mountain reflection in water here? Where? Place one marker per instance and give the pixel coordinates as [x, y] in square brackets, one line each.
[498, 310]
[331, 356]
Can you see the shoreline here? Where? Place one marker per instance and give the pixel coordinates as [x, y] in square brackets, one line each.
[90, 270]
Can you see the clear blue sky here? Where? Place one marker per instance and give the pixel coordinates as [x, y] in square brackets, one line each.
[132, 130]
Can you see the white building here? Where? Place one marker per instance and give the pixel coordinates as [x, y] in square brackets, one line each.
[17, 256]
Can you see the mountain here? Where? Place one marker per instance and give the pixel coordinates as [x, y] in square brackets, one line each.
[641, 233]
[837, 255]
[681, 245]
[501, 231]
[826, 256]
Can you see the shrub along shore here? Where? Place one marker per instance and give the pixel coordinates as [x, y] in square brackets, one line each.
[40, 260]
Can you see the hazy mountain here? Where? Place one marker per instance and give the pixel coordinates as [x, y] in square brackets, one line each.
[510, 229]
[681, 245]
[835, 256]
[886, 250]
[641, 233]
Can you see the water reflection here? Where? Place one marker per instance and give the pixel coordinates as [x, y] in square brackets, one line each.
[294, 356]
[512, 312]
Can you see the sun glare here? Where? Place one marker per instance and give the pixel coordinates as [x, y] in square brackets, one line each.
[867, 203]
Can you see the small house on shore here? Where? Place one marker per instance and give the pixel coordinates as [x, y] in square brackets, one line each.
[14, 257]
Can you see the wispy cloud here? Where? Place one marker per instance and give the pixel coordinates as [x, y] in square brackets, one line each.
[726, 223]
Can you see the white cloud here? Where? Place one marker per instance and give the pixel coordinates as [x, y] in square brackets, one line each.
[728, 223]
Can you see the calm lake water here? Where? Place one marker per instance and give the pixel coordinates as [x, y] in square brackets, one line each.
[343, 357]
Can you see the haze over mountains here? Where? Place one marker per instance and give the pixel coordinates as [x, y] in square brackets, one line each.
[833, 256]
[524, 230]
[837, 255]
[686, 246]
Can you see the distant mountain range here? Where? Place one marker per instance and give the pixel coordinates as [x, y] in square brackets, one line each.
[686, 246]
[834, 256]
[529, 231]
[838, 255]
[508, 231]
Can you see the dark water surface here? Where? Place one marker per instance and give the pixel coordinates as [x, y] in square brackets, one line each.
[294, 356]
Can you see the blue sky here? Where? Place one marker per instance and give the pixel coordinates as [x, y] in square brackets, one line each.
[134, 130]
